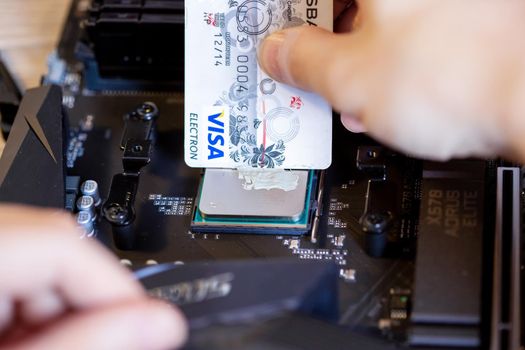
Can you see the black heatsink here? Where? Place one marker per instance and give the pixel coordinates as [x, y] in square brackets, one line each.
[32, 165]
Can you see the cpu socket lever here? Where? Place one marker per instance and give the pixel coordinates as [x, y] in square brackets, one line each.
[137, 143]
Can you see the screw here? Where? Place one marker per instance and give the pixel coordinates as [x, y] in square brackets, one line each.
[116, 214]
[146, 108]
[137, 149]
[376, 222]
[148, 111]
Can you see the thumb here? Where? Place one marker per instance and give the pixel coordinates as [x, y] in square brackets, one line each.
[140, 325]
[311, 59]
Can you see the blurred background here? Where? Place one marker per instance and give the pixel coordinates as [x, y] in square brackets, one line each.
[29, 30]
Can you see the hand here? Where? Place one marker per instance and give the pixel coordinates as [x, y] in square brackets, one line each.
[60, 292]
[433, 78]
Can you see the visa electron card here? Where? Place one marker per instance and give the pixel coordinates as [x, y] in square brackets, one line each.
[236, 116]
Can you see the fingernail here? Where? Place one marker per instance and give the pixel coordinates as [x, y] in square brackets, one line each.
[165, 327]
[270, 55]
[353, 123]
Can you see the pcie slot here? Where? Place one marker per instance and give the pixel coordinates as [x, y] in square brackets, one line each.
[505, 332]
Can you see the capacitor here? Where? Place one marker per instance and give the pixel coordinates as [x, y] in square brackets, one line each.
[90, 188]
[85, 221]
[126, 262]
[87, 203]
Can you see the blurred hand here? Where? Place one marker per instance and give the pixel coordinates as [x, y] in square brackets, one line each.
[433, 78]
[60, 292]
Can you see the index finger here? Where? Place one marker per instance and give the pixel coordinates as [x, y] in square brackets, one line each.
[41, 250]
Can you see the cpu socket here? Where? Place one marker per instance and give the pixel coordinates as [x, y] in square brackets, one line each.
[224, 205]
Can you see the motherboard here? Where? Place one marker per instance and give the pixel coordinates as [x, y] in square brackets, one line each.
[412, 253]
